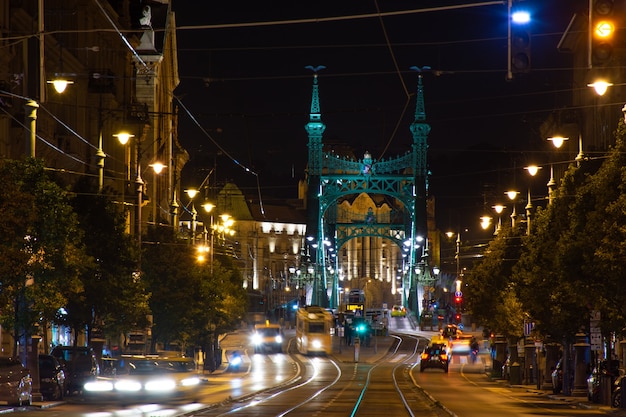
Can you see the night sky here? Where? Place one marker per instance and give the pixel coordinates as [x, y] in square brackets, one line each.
[249, 89]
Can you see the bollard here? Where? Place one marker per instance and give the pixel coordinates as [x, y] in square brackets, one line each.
[340, 335]
[606, 388]
[515, 377]
[357, 348]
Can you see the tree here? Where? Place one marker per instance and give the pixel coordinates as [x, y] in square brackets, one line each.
[605, 235]
[190, 301]
[490, 291]
[111, 298]
[551, 284]
[40, 250]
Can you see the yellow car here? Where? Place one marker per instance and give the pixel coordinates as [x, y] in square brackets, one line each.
[398, 311]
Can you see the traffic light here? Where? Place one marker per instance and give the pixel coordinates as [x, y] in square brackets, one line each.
[602, 32]
[520, 42]
[458, 299]
[360, 328]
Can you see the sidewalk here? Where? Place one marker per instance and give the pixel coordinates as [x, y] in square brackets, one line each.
[578, 402]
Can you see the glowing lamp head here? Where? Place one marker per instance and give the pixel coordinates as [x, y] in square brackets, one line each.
[532, 169]
[191, 192]
[123, 137]
[512, 194]
[600, 87]
[557, 141]
[60, 84]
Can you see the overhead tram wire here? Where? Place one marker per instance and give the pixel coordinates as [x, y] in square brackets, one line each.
[399, 73]
[44, 140]
[341, 18]
[121, 35]
[224, 151]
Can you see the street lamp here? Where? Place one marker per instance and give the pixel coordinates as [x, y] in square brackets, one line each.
[192, 192]
[512, 196]
[600, 86]
[124, 138]
[208, 207]
[157, 168]
[498, 208]
[425, 276]
[532, 170]
[60, 83]
[485, 222]
[557, 141]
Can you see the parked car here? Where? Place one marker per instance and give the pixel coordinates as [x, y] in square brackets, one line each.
[616, 395]
[605, 368]
[16, 383]
[79, 364]
[51, 378]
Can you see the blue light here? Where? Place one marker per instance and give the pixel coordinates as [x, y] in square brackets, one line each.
[520, 17]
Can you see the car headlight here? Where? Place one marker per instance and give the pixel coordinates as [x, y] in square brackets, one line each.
[190, 382]
[127, 385]
[161, 385]
[257, 339]
[98, 386]
[279, 339]
[316, 344]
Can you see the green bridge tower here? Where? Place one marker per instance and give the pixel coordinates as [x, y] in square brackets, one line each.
[332, 178]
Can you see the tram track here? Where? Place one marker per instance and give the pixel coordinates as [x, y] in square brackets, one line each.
[325, 385]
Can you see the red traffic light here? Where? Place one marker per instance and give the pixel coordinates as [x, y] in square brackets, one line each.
[458, 299]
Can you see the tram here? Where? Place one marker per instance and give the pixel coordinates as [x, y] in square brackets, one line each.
[313, 327]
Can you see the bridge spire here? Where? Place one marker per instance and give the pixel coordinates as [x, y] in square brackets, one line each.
[315, 127]
[420, 109]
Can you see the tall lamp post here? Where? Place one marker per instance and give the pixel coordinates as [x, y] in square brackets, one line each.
[498, 208]
[512, 194]
[426, 276]
[208, 207]
[532, 170]
[192, 192]
[557, 141]
[157, 168]
[124, 139]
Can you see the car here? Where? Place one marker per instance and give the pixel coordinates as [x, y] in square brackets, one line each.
[132, 378]
[398, 311]
[267, 337]
[438, 339]
[604, 369]
[51, 378]
[616, 395]
[16, 383]
[451, 331]
[79, 364]
[434, 356]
